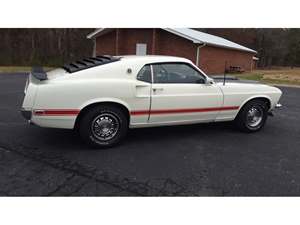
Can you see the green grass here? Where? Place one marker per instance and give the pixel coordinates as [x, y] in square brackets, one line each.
[274, 81]
[273, 76]
[250, 76]
[260, 76]
[20, 69]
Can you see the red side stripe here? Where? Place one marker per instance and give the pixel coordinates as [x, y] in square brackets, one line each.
[171, 111]
[140, 112]
[56, 112]
[74, 112]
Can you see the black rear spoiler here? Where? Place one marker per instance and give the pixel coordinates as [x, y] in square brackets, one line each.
[39, 73]
[89, 62]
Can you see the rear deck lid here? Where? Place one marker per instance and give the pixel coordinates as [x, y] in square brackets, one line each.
[59, 72]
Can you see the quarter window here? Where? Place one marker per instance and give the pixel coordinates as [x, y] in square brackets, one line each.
[176, 73]
[145, 74]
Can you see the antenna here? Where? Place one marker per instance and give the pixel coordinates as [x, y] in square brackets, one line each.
[224, 77]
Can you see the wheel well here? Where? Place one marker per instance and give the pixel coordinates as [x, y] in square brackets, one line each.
[266, 100]
[88, 107]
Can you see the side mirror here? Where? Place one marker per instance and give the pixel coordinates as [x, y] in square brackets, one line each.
[209, 81]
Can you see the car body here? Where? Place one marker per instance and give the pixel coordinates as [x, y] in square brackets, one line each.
[149, 90]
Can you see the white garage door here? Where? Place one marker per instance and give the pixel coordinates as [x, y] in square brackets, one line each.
[141, 49]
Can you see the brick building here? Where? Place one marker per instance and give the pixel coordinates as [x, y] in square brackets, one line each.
[211, 53]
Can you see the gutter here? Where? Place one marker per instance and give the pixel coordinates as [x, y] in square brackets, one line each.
[94, 34]
[198, 53]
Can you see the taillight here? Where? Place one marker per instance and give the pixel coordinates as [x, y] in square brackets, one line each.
[26, 85]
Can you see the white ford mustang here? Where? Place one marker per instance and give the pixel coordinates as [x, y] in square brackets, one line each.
[103, 96]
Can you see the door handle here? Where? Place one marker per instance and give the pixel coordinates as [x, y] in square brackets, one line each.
[142, 85]
[157, 89]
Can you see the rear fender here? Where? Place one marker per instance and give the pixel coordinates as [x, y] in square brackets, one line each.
[101, 100]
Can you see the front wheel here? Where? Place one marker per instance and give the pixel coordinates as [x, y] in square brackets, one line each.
[252, 117]
[103, 126]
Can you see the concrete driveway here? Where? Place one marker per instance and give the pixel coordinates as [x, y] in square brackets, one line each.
[197, 160]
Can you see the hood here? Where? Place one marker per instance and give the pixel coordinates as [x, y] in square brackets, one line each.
[246, 86]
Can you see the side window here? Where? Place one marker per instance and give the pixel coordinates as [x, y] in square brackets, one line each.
[144, 74]
[176, 73]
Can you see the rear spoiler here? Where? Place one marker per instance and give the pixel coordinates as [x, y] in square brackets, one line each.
[39, 73]
[89, 62]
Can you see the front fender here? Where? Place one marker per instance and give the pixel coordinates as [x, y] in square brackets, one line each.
[254, 97]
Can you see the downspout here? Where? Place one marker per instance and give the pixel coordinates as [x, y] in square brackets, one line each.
[94, 47]
[198, 53]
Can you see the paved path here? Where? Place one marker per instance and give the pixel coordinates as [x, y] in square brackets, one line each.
[207, 159]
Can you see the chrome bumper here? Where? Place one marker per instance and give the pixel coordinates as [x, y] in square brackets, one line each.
[277, 106]
[26, 114]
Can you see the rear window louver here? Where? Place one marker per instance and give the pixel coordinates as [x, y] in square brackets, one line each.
[88, 63]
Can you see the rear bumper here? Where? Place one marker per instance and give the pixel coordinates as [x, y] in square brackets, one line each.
[27, 114]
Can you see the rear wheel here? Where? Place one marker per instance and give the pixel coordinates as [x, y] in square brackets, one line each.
[252, 117]
[103, 126]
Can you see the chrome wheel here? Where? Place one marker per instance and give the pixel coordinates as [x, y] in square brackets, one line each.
[105, 126]
[254, 116]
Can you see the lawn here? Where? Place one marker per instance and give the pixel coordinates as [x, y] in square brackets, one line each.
[271, 76]
[274, 76]
[19, 69]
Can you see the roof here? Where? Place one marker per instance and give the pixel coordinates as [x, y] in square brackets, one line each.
[106, 59]
[152, 58]
[204, 38]
[195, 36]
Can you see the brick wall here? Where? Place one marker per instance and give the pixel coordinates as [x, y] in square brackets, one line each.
[160, 42]
[130, 37]
[213, 59]
[106, 44]
[170, 44]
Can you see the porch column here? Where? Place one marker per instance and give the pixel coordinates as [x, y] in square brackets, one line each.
[94, 47]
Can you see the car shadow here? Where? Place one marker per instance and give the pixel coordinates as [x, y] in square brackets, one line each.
[173, 133]
[52, 138]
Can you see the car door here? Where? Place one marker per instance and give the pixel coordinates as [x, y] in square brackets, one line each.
[140, 103]
[179, 93]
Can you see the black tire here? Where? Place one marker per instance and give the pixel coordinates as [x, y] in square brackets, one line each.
[103, 118]
[243, 120]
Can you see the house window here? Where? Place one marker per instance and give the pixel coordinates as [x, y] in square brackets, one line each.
[141, 49]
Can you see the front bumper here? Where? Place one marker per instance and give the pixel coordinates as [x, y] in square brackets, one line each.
[27, 114]
[277, 106]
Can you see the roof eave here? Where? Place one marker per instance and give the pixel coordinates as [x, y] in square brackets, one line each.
[95, 33]
[237, 49]
[195, 41]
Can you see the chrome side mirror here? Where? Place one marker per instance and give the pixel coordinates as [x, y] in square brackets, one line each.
[209, 81]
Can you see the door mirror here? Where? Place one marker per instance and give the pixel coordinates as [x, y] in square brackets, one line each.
[209, 81]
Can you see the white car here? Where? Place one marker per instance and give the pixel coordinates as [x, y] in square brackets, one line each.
[103, 96]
